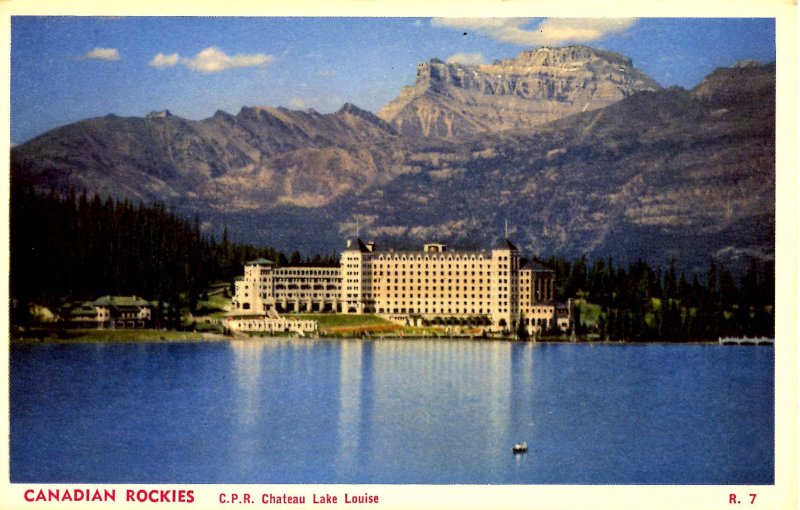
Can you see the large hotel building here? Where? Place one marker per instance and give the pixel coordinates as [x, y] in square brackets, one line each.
[495, 288]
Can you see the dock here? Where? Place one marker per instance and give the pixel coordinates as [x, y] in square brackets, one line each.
[746, 341]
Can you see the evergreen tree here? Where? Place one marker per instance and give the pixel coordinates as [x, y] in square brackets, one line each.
[602, 326]
[671, 281]
[576, 320]
[522, 331]
[711, 280]
[728, 294]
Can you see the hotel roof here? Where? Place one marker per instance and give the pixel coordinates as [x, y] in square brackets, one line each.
[502, 245]
[260, 262]
[359, 246]
[505, 244]
[534, 265]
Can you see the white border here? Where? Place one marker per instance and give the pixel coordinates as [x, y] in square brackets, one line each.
[782, 495]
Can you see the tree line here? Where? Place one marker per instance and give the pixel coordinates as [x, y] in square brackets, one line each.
[642, 303]
[76, 247]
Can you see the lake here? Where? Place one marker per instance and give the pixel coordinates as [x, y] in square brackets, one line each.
[392, 412]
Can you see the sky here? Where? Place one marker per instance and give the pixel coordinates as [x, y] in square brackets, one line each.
[68, 68]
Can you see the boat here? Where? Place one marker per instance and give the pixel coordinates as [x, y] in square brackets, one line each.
[520, 447]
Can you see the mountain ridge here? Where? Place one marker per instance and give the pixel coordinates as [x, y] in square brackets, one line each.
[637, 177]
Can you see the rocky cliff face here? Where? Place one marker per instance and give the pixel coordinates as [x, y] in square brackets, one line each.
[536, 87]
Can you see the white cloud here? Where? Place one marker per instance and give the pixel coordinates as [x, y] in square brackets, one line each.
[211, 60]
[106, 54]
[161, 60]
[552, 31]
[466, 58]
[214, 60]
[559, 30]
[298, 103]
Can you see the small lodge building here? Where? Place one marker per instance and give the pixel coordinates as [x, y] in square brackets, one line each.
[115, 312]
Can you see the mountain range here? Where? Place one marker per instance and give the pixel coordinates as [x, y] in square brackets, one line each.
[577, 149]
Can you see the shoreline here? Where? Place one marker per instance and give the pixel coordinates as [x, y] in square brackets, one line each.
[157, 336]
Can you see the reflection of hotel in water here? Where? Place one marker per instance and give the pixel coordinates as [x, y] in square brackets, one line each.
[490, 288]
[368, 384]
[375, 375]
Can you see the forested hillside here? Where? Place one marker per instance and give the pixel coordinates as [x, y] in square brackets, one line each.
[79, 247]
[640, 303]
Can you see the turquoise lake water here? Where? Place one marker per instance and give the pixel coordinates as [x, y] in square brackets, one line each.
[393, 412]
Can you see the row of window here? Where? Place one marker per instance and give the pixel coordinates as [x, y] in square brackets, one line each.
[428, 281]
[306, 272]
[420, 267]
[411, 272]
[305, 295]
[547, 323]
[434, 301]
[433, 292]
[434, 258]
[397, 281]
[306, 279]
[306, 286]
[538, 310]
[433, 287]
[434, 310]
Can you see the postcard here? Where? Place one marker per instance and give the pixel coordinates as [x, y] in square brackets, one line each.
[504, 255]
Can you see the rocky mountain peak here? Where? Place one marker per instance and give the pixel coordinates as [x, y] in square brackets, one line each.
[352, 109]
[537, 86]
[349, 109]
[744, 64]
[159, 115]
[743, 83]
[568, 55]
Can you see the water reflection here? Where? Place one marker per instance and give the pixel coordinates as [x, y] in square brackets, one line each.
[350, 418]
[397, 398]
[523, 387]
[431, 406]
[246, 402]
[247, 368]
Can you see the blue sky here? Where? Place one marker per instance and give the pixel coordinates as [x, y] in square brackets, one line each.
[64, 69]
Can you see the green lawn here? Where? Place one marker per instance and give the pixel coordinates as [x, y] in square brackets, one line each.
[216, 307]
[35, 335]
[331, 320]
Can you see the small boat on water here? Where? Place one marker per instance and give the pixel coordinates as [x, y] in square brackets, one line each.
[520, 447]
